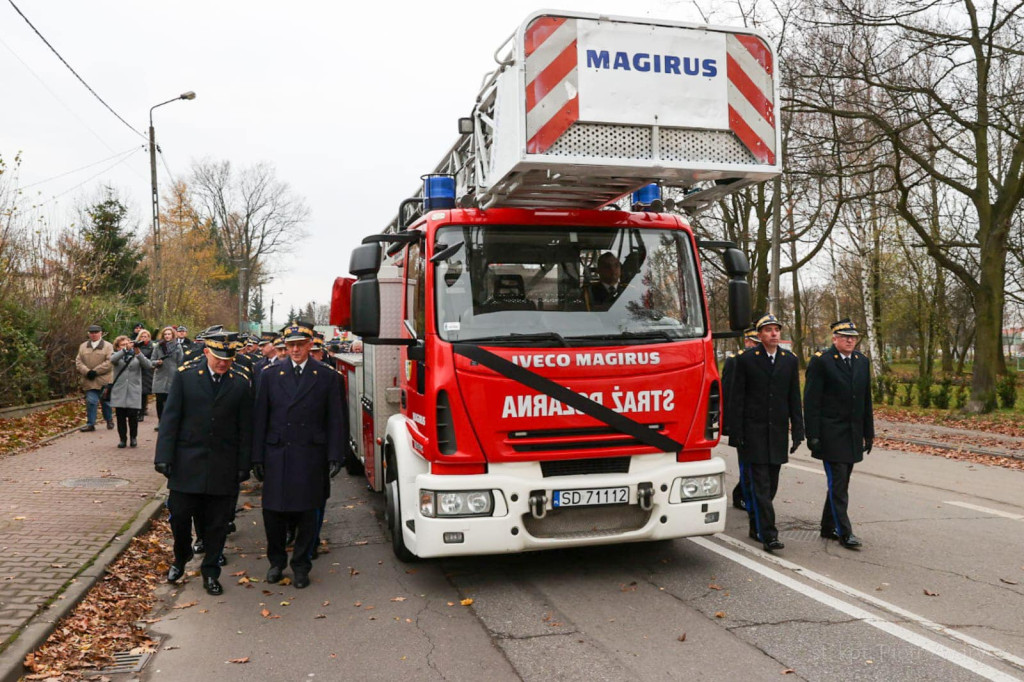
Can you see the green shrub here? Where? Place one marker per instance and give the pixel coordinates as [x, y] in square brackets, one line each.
[1006, 389]
[891, 386]
[924, 391]
[942, 396]
[907, 398]
[878, 389]
[22, 361]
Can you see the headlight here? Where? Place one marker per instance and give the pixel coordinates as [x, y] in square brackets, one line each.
[700, 487]
[456, 503]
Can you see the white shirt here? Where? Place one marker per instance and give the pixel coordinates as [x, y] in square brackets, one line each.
[302, 367]
[97, 345]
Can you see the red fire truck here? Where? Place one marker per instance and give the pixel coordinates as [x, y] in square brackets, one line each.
[538, 368]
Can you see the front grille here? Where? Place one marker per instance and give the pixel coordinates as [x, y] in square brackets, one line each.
[587, 522]
[573, 467]
[592, 438]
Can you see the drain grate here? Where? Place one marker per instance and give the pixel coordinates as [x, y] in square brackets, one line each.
[103, 482]
[800, 535]
[126, 662]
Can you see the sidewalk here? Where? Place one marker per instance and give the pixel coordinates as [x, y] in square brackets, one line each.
[66, 510]
[948, 438]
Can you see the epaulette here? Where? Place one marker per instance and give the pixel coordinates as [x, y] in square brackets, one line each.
[817, 354]
[231, 372]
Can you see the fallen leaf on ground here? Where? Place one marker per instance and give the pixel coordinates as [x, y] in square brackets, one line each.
[787, 671]
[719, 614]
[929, 593]
[466, 602]
[1008, 582]
[398, 599]
[187, 605]
[238, 660]
[713, 586]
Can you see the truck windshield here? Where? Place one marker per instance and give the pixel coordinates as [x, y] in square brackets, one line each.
[556, 285]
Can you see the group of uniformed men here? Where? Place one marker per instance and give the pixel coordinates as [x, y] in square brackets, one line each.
[268, 405]
[761, 385]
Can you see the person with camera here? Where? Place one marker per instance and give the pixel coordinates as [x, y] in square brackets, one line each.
[167, 355]
[93, 363]
[144, 342]
[126, 391]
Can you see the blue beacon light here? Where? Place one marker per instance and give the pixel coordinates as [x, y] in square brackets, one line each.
[438, 192]
[646, 195]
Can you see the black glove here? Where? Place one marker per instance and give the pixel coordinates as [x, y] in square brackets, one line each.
[91, 374]
[243, 476]
[868, 444]
[796, 444]
[335, 469]
[736, 441]
[258, 471]
[814, 444]
[163, 468]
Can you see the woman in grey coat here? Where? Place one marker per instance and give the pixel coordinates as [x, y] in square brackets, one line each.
[126, 393]
[167, 355]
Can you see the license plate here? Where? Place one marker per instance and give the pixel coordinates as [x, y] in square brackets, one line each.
[587, 497]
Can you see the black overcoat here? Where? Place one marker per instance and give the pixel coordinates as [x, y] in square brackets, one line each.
[207, 440]
[728, 370]
[765, 404]
[298, 428]
[837, 404]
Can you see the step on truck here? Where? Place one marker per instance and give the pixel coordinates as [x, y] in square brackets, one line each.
[538, 366]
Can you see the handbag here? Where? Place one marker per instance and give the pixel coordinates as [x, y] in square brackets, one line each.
[107, 389]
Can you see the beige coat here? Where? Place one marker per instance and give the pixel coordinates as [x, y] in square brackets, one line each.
[96, 359]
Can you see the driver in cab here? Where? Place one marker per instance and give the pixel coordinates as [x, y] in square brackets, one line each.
[601, 294]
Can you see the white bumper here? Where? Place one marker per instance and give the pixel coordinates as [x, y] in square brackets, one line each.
[508, 530]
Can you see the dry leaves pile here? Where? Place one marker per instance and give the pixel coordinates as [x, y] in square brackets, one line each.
[106, 621]
[1004, 424]
[962, 455]
[32, 429]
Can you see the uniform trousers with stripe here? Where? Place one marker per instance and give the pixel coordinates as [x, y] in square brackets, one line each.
[833, 514]
[760, 483]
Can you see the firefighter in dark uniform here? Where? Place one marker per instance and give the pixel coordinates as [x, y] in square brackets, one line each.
[728, 368]
[766, 403]
[840, 423]
[299, 441]
[266, 352]
[203, 449]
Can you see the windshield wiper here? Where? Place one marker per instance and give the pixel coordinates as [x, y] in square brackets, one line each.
[516, 337]
[634, 336]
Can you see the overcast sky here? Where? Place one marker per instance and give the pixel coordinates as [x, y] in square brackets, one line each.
[351, 102]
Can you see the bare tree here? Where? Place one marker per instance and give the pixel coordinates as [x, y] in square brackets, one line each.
[939, 84]
[254, 216]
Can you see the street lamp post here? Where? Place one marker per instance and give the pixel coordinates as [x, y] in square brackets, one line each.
[152, 178]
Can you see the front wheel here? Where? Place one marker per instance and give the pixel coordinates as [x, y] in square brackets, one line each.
[393, 514]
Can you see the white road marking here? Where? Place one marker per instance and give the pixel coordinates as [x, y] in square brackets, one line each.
[906, 635]
[985, 510]
[808, 469]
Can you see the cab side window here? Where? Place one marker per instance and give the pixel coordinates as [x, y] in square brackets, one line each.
[415, 290]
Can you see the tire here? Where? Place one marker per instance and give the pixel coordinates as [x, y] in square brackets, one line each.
[393, 514]
[352, 465]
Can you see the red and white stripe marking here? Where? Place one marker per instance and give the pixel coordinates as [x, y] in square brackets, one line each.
[751, 95]
[552, 81]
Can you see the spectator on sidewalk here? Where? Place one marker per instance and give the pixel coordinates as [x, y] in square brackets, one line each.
[204, 448]
[840, 423]
[299, 441]
[93, 363]
[126, 393]
[144, 342]
[182, 332]
[167, 355]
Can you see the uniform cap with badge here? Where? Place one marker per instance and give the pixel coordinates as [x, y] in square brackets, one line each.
[751, 333]
[297, 330]
[222, 344]
[844, 327]
[766, 320]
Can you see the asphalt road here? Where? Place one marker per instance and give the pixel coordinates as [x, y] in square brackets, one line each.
[936, 594]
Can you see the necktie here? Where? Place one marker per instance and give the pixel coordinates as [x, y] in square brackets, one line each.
[847, 361]
[298, 371]
[772, 358]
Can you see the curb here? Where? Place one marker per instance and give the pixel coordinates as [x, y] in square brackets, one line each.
[954, 448]
[38, 629]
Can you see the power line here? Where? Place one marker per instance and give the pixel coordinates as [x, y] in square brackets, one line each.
[82, 80]
[92, 177]
[95, 163]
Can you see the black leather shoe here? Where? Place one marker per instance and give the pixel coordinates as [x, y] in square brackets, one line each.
[88, 427]
[212, 586]
[274, 575]
[829, 535]
[752, 534]
[851, 541]
[231, 527]
[122, 444]
[301, 580]
[738, 504]
[175, 573]
[110, 426]
[222, 560]
[199, 547]
[142, 418]
[773, 544]
[133, 443]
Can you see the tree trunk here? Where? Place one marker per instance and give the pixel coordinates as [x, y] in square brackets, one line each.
[798, 327]
[989, 361]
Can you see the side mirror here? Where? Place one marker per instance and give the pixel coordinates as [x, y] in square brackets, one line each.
[736, 264]
[739, 304]
[366, 308]
[365, 260]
